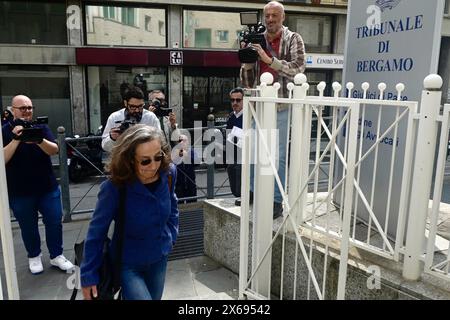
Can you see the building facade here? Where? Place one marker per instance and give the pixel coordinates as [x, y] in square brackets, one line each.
[74, 58]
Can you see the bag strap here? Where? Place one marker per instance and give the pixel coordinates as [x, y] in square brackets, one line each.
[119, 228]
[120, 224]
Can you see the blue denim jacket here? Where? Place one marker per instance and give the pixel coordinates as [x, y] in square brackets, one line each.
[151, 225]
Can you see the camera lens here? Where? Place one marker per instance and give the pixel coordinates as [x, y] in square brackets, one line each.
[156, 103]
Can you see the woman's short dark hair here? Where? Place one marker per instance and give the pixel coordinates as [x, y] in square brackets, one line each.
[122, 164]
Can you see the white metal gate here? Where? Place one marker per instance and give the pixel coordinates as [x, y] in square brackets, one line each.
[345, 209]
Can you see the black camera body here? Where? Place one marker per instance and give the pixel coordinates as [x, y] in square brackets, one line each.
[161, 111]
[252, 34]
[125, 124]
[32, 130]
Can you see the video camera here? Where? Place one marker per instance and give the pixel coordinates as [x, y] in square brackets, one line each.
[254, 33]
[32, 130]
[161, 111]
[125, 124]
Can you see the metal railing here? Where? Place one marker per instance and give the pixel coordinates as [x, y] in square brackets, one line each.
[379, 181]
[64, 142]
[437, 256]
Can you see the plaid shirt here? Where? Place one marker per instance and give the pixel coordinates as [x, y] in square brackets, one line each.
[290, 62]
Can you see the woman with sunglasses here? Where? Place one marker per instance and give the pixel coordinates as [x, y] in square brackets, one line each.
[140, 162]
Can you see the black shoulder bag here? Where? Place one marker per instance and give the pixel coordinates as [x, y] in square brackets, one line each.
[109, 286]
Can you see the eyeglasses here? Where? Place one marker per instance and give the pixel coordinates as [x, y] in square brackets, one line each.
[24, 108]
[133, 107]
[237, 100]
[157, 158]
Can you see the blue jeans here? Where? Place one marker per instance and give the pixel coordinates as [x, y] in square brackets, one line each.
[282, 126]
[25, 209]
[144, 282]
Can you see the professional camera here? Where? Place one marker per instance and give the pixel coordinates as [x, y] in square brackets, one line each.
[32, 130]
[125, 124]
[254, 33]
[161, 110]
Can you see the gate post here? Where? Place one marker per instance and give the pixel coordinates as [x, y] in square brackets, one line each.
[264, 186]
[297, 167]
[210, 167]
[422, 177]
[64, 174]
[6, 236]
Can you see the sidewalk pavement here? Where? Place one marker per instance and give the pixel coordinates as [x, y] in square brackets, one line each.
[192, 278]
[188, 279]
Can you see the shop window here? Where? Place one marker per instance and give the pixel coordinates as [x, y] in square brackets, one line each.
[200, 26]
[206, 91]
[129, 16]
[106, 85]
[47, 87]
[161, 28]
[316, 31]
[222, 36]
[33, 22]
[148, 24]
[121, 26]
[203, 38]
[109, 13]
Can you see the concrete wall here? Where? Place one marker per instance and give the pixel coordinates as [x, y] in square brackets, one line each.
[222, 240]
[37, 55]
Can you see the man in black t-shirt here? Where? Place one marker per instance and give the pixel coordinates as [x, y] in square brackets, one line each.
[32, 186]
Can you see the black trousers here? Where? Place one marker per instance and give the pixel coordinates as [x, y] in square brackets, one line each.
[234, 175]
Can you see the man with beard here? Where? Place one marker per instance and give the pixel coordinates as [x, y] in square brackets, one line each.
[132, 113]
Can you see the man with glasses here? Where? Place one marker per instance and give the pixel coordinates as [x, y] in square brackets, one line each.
[235, 121]
[132, 113]
[32, 186]
[167, 119]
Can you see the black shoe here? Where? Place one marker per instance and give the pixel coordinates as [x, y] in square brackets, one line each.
[277, 210]
[237, 202]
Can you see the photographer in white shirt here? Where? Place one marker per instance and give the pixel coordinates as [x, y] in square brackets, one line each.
[133, 112]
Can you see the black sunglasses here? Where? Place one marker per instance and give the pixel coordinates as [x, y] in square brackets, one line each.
[237, 100]
[156, 158]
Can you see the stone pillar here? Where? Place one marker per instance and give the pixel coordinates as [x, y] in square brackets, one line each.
[77, 73]
[175, 73]
[78, 100]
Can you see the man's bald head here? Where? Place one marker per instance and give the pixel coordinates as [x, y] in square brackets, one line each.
[275, 5]
[22, 107]
[20, 100]
[274, 17]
